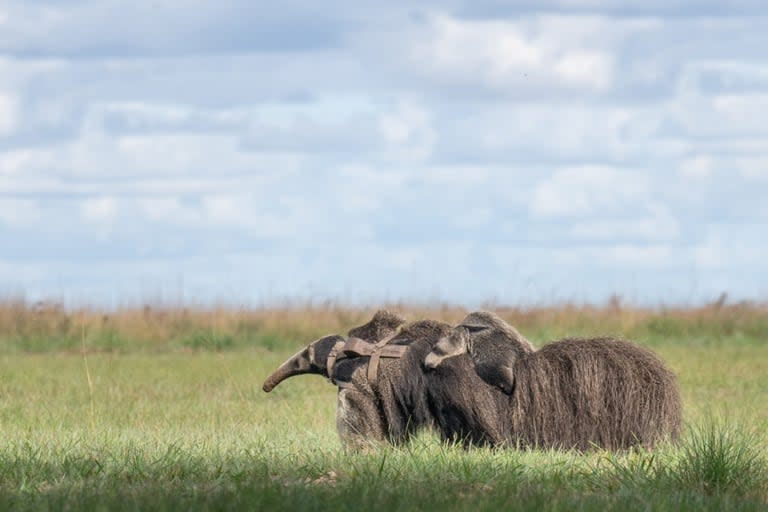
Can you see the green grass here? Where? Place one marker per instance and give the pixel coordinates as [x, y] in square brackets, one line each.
[192, 430]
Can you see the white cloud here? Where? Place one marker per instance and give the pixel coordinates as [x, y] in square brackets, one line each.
[755, 168]
[227, 210]
[474, 217]
[21, 273]
[742, 145]
[407, 131]
[747, 166]
[717, 115]
[574, 51]
[635, 256]
[494, 49]
[235, 211]
[698, 167]
[457, 175]
[13, 161]
[8, 113]
[148, 117]
[740, 113]
[587, 190]
[164, 154]
[733, 246]
[658, 225]
[533, 131]
[711, 253]
[159, 164]
[100, 210]
[116, 27]
[373, 178]
[403, 260]
[591, 69]
[168, 209]
[242, 212]
[19, 212]
[627, 257]
[589, 147]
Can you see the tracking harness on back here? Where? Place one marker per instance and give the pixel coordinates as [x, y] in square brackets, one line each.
[357, 347]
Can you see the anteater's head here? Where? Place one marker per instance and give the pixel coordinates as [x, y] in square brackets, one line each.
[493, 344]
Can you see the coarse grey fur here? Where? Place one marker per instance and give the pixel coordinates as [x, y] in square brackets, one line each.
[405, 398]
[573, 393]
[452, 398]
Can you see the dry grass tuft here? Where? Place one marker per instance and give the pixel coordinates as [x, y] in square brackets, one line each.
[51, 326]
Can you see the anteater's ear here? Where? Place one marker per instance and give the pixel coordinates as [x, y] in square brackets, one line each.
[494, 358]
[497, 374]
[311, 359]
[448, 346]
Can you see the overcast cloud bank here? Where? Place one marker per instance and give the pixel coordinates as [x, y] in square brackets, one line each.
[456, 151]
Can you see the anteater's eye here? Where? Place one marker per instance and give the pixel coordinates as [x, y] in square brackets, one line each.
[474, 328]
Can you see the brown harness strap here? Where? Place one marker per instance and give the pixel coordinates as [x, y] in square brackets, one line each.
[332, 357]
[378, 352]
[356, 347]
[373, 368]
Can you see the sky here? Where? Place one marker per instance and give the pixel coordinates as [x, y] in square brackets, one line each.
[478, 151]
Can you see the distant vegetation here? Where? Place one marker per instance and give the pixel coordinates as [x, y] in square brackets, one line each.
[48, 326]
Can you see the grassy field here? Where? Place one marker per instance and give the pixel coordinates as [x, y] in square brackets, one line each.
[163, 411]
